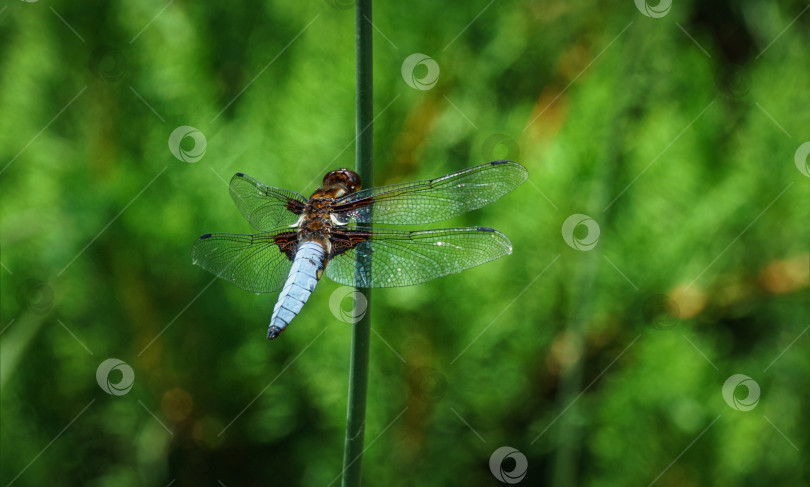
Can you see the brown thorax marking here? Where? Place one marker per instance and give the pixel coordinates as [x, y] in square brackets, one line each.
[316, 222]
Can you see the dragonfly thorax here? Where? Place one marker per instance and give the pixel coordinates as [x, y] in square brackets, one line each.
[316, 222]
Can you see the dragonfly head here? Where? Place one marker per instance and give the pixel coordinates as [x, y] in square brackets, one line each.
[342, 179]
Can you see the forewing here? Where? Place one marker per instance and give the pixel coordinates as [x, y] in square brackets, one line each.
[407, 258]
[256, 263]
[435, 199]
[263, 206]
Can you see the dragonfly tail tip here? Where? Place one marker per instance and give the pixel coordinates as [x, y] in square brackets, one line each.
[273, 332]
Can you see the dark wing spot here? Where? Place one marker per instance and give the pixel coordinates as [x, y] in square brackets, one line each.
[495, 163]
[294, 206]
[207, 235]
[287, 243]
[485, 229]
[345, 240]
[239, 175]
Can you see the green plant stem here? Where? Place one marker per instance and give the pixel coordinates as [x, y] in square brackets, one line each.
[358, 367]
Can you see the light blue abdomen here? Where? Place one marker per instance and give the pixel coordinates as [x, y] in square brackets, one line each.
[304, 275]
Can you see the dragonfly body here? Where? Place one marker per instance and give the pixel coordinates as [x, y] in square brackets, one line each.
[302, 239]
[305, 273]
[314, 245]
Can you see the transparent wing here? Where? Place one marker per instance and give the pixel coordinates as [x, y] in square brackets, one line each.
[407, 258]
[435, 199]
[263, 206]
[256, 263]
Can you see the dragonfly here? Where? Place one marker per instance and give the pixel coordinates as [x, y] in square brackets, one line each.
[329, 233]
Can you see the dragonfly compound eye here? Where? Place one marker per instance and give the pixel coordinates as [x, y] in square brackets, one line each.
[342, 177]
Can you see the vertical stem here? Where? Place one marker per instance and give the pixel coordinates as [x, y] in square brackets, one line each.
[358, 368]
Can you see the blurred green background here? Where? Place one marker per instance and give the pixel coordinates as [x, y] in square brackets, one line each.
[676, 131]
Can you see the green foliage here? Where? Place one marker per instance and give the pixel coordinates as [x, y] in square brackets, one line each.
[684, 158]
